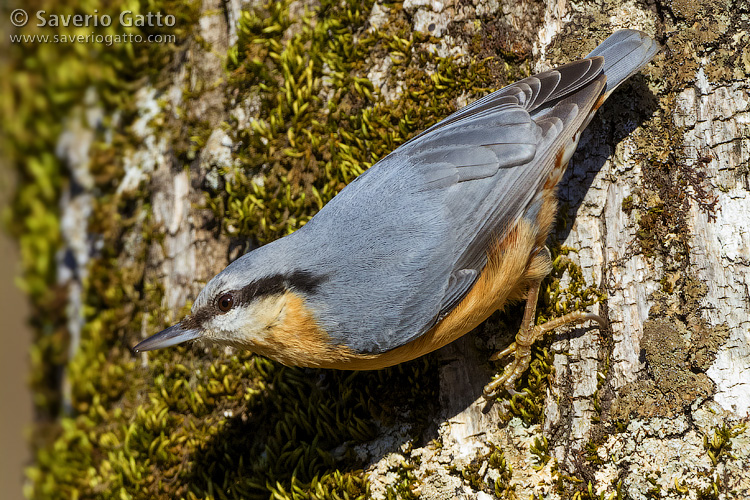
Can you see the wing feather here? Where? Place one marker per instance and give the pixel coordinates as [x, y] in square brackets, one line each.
[507, 155]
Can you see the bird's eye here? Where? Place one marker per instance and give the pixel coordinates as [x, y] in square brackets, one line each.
[226, 302]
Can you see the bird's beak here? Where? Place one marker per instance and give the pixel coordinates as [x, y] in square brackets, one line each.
[176, 334]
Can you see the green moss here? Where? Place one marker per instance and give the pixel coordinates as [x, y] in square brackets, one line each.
[499, 483]
[503, 488]
[540, 450]
[470, 474]
[592, 453]
[330, 486]
[407, 485]
[712, 491]
[575, 295]
[565, 485]
[719, 446]
[528, 405]
[576, 489]
[582, 485]
[654, 491]
[45, 81]
[627, 204]
[306, 149]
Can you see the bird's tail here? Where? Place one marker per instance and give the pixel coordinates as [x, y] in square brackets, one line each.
[624, 52]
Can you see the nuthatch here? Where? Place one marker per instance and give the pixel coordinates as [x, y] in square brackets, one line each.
[428, 242]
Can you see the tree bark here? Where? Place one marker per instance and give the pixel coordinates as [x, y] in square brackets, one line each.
[655, 211]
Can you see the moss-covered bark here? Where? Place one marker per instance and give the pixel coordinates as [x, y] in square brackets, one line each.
[237, 134]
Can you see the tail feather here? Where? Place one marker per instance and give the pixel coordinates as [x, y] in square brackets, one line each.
[624, 52]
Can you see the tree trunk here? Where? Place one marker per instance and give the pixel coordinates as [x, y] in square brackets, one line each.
[653, 235]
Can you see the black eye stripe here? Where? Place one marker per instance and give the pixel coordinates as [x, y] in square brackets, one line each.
[302, 281]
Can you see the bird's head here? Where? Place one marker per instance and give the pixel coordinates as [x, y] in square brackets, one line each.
[246, 305]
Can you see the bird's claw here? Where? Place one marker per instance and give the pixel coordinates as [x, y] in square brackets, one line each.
[510, 375]
[505, 352]
[522, 346]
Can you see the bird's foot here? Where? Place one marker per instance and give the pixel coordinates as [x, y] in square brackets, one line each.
[514, 370]
[522, 349]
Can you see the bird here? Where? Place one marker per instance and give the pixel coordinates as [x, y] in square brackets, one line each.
[427, 243]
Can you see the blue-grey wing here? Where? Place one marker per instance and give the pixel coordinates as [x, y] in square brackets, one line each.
[490, 160]
[411, 234]
[428, 212]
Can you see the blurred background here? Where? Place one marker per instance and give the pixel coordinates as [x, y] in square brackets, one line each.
[15, 410]
[15, 395]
